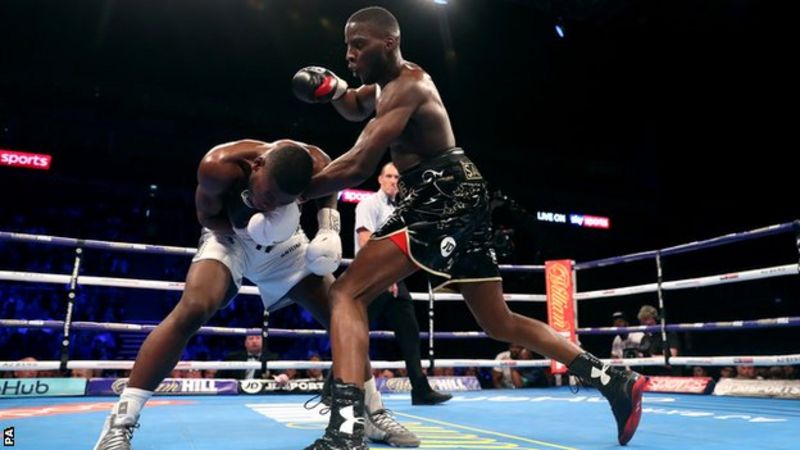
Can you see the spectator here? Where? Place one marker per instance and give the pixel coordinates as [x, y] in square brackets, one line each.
[746, 372]
[775, 373]
[625, 345]
[527, 376]
[652, 343]
[315, 374]
[501, 376]
[83, 373]
[251, 352]
[26, 373]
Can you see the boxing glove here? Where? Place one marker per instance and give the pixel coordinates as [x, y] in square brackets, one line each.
[324, 252]
[314, 84]
[276, 226]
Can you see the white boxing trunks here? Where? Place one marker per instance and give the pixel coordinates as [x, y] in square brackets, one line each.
[274, 270]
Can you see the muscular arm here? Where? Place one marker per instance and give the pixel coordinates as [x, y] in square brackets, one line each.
[357, 104]
[213, 179]
[321, 159]
[351, 169]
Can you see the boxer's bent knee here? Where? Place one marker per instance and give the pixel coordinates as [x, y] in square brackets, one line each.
[193, 312]
[343, 291]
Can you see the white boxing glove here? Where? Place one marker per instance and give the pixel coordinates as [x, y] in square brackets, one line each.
[276, 226]
[324, 252]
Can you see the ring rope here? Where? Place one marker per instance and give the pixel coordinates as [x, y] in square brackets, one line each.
[86, 280]
[790, 269]
[712, 280]
[167, 249]
[776, 322]
[769, 360]
[696, 245]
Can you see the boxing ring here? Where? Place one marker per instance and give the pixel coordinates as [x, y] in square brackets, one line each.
[540, 418]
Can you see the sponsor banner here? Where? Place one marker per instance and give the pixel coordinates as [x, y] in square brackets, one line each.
[300, 385]
[758, 388]
[41, 387]
[560, 303]
[26, 160]
[452, 384]
[170, 386]
[587, 221]
[683, 385]
[576, 219]
[100, 386]
[353, 195]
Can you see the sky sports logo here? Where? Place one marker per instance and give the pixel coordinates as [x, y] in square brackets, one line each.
[25, 160]
[590, 221]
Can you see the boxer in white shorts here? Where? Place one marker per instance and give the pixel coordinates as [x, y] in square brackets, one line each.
[246, 201]
[274, 269]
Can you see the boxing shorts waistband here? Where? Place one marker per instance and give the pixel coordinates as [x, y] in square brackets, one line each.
[451, 157]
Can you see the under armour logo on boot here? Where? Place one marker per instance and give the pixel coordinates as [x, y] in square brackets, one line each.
[601, 373]
[350, 420]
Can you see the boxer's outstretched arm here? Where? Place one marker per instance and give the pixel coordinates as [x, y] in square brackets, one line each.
[399, 102]
[321, 160]
[357, 105]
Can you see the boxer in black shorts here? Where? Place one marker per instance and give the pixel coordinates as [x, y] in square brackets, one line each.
[443, 221]
[441, 224]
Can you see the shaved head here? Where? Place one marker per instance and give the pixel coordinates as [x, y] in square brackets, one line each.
[379, 18]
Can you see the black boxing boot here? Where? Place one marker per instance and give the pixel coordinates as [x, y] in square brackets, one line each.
[323, 397]
[621, 388]
[345, 430]
[423, 394]
[327, 389]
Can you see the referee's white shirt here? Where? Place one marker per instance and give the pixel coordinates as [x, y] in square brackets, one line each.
[371, 213]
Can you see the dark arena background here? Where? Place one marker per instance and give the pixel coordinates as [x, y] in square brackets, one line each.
[647, 145]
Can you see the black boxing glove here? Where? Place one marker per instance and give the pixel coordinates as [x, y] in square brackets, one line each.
[315, 84]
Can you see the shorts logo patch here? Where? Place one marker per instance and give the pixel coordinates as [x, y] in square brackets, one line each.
[291, 249]
[447, 246]
[430, 175]
[470, 170]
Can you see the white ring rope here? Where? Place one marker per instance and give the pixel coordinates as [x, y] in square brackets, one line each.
[771, 360]
[712, 280]
[168, 249]
[773, 322]
[768, 272]
[85, 280]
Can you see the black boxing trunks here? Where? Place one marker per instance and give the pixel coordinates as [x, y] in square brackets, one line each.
[443, 221]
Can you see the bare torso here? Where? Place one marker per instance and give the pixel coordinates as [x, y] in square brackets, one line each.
[428, 132]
